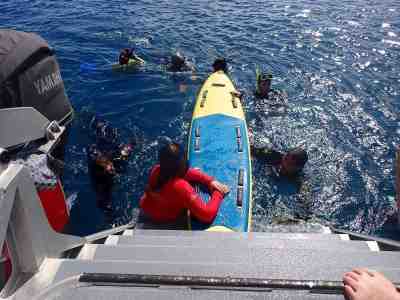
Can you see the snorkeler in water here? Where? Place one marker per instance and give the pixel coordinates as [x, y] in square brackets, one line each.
[288, 164]
[107, 157]
[179, 63]
[265, 92]
[127, 54]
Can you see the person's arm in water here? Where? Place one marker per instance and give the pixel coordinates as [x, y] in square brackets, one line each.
[204, 212]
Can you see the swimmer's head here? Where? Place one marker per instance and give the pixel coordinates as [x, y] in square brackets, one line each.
[293, 162]
[124, 56]
[264, 84]
[220, 65]
[125, 151]
[177, 59]
[106, 164]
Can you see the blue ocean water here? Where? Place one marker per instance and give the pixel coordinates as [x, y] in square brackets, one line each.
[339, 62]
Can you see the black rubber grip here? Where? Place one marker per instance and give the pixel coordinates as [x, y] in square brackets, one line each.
[241, 177]
[197, 132]
[234, 103]
[254, 285]
[239, 197]
[238, 132]
[197, 144]
[203, 98]
[240, 145]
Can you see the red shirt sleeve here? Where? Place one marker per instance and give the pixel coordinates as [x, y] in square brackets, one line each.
[204, 212]
[195, 175]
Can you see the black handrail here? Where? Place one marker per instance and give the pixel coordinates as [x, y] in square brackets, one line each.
[335, 287]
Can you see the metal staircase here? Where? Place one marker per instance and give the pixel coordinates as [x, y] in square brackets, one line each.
[123, 263]
[160, 264]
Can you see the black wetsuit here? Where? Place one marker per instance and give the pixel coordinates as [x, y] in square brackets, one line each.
[274, 96]
[107, 147]
[270, 156]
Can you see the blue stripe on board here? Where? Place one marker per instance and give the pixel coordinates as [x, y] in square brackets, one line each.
[219, 157]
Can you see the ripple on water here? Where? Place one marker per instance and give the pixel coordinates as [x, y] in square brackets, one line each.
[338, 62]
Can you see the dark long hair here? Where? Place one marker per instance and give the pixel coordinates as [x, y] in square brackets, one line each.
[173, 163]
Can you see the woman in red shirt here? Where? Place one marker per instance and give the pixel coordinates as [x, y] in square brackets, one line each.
[169, 192]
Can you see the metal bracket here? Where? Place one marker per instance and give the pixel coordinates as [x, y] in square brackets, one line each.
[53, 133]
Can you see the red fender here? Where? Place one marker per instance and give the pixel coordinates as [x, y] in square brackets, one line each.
[55, 206]
[5, 263]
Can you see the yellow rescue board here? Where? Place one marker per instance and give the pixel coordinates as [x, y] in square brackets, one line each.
[133, 63]
[216, 98]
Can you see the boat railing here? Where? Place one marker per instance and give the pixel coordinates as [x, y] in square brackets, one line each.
[23, 223]
[383, 243]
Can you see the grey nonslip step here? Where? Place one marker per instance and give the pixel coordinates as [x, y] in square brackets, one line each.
[299, 268]
[179, 293]
[207, 242]
[273, 263]
[231, 235]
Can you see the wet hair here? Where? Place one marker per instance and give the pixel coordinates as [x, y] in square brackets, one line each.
[299, 156]
[177, 59]
[220, 65]
[172, 163]
[273, 158]
[124, 56]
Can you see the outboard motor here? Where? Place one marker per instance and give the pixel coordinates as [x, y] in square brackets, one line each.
[30, 77]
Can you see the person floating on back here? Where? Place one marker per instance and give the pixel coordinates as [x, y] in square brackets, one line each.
[126, 55]
[179, 63]
[288, 164]
[170, 193]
